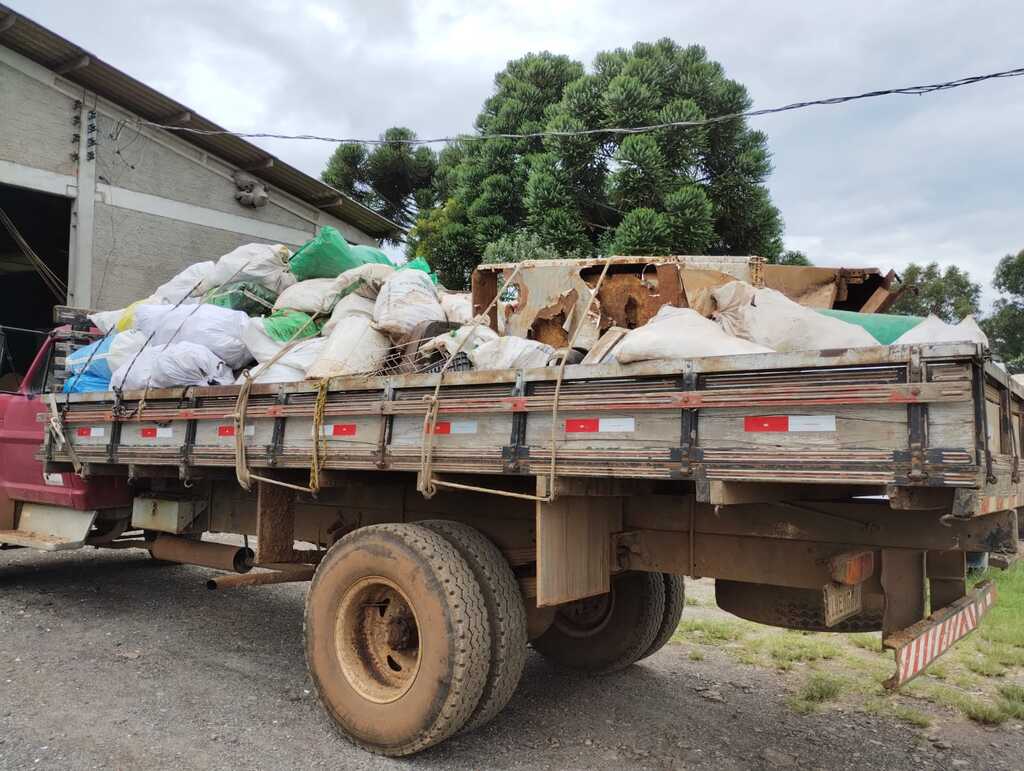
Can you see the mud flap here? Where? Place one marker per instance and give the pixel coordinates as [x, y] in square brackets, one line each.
[920, 644]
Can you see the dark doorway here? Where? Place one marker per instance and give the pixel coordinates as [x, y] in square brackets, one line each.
[26, 302]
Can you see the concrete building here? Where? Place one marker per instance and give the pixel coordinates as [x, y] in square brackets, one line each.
[114, 207]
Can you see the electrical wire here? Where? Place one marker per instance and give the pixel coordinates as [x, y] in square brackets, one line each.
[903, 91]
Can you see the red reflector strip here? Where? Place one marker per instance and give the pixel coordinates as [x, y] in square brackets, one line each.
[154, 432]
[766, 424]
[90, 431]
[147, 433]
[443, 427]
[225, 430]
[919, 645]
[582, 426]
[343, 429]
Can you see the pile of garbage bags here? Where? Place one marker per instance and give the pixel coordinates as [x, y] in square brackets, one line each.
[334, 309]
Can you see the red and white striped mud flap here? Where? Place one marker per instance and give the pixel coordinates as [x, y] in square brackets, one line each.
[919, 645]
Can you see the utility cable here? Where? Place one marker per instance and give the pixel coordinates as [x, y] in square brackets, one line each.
[621, 130]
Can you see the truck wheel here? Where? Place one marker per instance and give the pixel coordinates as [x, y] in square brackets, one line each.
[396, 638]
[506, 614]
[610, 631]
[675, 599]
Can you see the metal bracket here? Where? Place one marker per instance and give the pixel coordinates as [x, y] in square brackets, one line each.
[386, 424]
[277, 438]
[515, 451]
[687, 453]
[917, 420]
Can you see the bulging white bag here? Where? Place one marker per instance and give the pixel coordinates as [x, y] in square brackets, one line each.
[457, 307]
[187, 286]
[123, 348]
[366, 280]
[407, 298]
[265, 264]
[219, 329]
[680, 333]
[292, 365]
[314, 295]
[511, 353]
[354, 348]
[346, 306]
[769, 318]
[167, 366]
[935, 330]
[450, 342]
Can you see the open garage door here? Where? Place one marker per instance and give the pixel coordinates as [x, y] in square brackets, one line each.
[28, 290]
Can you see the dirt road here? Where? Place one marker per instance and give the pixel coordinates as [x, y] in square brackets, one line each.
[113, 661]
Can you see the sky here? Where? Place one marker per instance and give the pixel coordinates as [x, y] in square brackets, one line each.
[873, 183]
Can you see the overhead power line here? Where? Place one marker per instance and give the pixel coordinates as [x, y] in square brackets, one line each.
[904, 91]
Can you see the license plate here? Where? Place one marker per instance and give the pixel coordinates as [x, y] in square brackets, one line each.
[841, 602]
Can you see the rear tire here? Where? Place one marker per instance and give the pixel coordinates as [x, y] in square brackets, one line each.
[396, 638]
[506, 615]
[610, 631]
[675, 600]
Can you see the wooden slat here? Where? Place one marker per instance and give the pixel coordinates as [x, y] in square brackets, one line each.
[573, 558]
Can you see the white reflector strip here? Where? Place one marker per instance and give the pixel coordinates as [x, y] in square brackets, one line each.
[812, 423]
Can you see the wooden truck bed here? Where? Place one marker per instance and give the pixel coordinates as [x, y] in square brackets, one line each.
[912, 420]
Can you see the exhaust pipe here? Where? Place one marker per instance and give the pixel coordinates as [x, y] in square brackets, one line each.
[259, 579]
[207, 554]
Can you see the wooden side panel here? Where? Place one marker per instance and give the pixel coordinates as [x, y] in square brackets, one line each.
[951, 424]
[876, 427]
[573, 552]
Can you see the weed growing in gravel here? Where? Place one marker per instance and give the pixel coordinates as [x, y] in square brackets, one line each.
[1012, 697]
[867, 640]
[692, 602]
[887, 707]
[710, 631]
[984, 666]
[819, 688]
[696, 655]
[793, 647]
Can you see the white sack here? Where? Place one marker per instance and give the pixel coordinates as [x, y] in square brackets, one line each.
[407, 298]
[219, 329]
[177, 364]
[935, 330]
[347, 306]
[106, 320]
[769, 318]
[187, 284]
[367, 279]
[264, 348]
[353, 348]
[265, 264]
[457, 307]
[449, 342]
[511, 353]
[680, 333]
[314, 295]
[123, 348]
[292, 365]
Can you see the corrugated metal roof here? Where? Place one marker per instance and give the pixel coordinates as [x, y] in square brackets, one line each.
[49, 49]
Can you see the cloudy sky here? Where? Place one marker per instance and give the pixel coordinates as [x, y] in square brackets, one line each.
[879, 182]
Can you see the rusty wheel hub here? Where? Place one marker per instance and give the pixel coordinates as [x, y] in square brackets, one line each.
[586, 617]
[377, 637]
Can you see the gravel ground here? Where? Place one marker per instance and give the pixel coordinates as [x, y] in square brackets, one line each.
[113, 661]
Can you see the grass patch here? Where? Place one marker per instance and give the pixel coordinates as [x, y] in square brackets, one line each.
[867, 640]
[794, 647]
[818, 689]
[710, 631]
[1012, 698]
[984, 666]
[977, 709]
[692, 602]
[914, 717]
[696, 655]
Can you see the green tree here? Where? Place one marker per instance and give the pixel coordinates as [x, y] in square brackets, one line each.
[793, 257]
[395, 179]
[1005, 327]
[683, 190]
[949, 294]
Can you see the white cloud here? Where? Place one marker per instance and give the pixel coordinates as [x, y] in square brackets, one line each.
[879, 183]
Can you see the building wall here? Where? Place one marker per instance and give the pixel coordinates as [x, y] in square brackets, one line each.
[35, 123]
[133, 253]
[147, 205]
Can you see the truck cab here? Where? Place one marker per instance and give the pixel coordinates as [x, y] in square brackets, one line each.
[35, 505]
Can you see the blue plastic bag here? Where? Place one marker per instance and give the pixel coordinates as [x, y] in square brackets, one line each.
[85, 383]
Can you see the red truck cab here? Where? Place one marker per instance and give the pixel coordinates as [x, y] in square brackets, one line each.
[23, 477]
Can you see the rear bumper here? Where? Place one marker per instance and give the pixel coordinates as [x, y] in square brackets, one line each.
[919, 645]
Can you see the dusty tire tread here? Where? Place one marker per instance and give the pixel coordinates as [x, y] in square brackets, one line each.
[505, 613]
[468, 613]
[675, 601]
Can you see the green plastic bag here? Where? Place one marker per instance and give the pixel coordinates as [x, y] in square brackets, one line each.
[884, 327]
[420, 264]
[255, 299]
[286, 325]
[329, 255]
